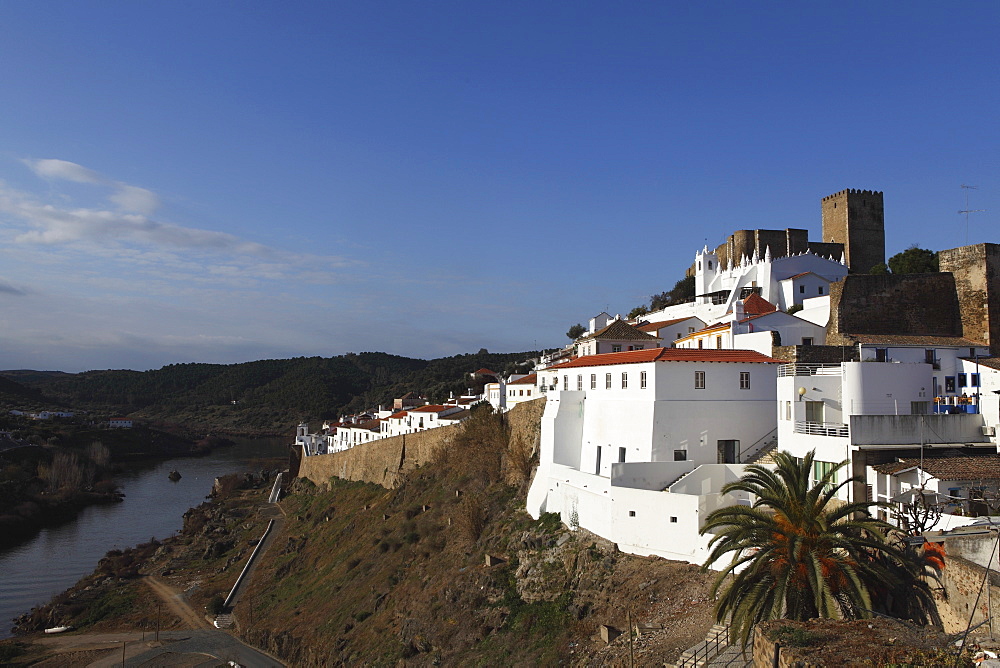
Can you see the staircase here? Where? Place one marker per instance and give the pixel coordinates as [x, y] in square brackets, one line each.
[701, 654]
[224, 621]
[763, 456]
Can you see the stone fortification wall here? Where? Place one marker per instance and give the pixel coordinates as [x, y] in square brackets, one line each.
[816, 354]
[963, 578]
[977, 280]
[386, 461]
[908, 304]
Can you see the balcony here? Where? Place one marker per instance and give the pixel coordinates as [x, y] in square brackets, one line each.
[809, 370]
[822, 429]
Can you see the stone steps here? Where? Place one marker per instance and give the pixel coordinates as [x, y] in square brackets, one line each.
[716, 640]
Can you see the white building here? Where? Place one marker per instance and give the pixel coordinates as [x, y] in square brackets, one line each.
[868, 413]
[520, 390]
[616, 337]
[620, 430]
[670, 330]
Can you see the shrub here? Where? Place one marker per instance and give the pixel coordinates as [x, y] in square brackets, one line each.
[216, 605]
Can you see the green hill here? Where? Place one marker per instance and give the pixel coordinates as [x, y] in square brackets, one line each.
[266, 396]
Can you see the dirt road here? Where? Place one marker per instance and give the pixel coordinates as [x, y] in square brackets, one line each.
[174, 600]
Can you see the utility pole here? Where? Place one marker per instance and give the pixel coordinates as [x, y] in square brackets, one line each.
[967, 210]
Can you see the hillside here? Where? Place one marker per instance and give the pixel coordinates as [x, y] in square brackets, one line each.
[363, 575]
[267, 396]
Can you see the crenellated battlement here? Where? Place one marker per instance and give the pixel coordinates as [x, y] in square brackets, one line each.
[853, 191]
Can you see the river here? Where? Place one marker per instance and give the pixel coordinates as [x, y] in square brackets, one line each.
[52, 561]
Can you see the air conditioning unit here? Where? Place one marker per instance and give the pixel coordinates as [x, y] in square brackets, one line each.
[989, 431]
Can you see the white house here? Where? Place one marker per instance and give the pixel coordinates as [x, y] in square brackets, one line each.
[520, 390]
[120, 423]
[867, 413]
[620, 430]
[670, 330]
[616, 337]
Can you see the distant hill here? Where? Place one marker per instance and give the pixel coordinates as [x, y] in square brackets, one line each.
[267, 396]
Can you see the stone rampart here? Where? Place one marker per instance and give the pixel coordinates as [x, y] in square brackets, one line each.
[908, 304]
[963, 578]
[386, 461]
[816, 354]
[977, 281]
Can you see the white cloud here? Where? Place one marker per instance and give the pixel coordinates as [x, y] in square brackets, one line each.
[128, 198]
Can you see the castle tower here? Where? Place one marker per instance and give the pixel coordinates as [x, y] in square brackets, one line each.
[856, 219]
[977, 280]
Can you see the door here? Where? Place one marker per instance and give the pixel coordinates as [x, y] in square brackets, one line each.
[728, 451]
[598, 468]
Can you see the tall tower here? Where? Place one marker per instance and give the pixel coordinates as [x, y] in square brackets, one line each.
[856, 219]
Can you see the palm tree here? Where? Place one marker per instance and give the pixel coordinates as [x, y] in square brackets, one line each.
[797, 553]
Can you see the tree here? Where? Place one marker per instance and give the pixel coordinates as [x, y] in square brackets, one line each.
[879, 270]
[798, 553]
[914, 260]
[576, 331]
[639, 310]
[682, 291]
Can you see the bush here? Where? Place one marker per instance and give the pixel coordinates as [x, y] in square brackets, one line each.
[217, 605]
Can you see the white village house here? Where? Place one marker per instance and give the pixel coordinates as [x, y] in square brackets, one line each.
[635, 446]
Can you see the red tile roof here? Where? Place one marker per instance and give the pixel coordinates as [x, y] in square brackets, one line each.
[433, 408]
[671, 355]
[399, 415]
[527, 380]
[757, 305]
[950, 467]
[620, 330]
[657, 326]
[804, 273]
[484, 372]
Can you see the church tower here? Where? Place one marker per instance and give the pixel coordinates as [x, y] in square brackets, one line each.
[856, 219]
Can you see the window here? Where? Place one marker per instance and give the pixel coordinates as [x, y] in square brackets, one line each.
[631, 513]
[788, 410]
[949, 384]
[820, 289]
[621, 454]
[807, 340]
[699, 380]
[579, 382]
[929, 356]
[881, 354]
[744, 380]
[802, 289]
[673, 519]
[699, 343]
[520, 393]
[919, 408]
[710, 264]
[961, 380]
[565, 382]
[680, 455]
[616, 348]
[718, 342]
[529, 392]
[642, 380]
[974, 379]
[607, 381]
[624, 381]
[593, 381]
[814, 411]
[820, 469]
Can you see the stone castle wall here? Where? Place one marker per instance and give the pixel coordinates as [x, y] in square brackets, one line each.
[908, 304]
[977, 280]
[386, 461]
[816, 354]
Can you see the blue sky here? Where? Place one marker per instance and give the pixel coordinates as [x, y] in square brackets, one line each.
[229, 181]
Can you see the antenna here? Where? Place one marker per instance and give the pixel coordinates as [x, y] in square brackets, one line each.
[967, 210]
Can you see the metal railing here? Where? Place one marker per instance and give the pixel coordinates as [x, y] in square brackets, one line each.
[796, 369]
[758, 445]
[822, 429]
[709, 648]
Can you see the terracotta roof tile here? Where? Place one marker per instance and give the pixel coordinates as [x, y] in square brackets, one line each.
[433, 408]
[757, 305]
[670, 355]
[484, 372]
[657, 326]
[951, 467]
[527, 380]
[910, 340]
[620, 330]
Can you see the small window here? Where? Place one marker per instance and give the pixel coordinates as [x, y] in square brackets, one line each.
[807, 340]
[744, 380]
[673, 519]
[699, 343]
[621, 454]
[788, 410]
[642, 380]
[624, 381]
[593, 381]
[680, 455]
[520, 393]
[821, 289]
[961, 380]
[718, 342]
[802, 289]
[607, 381]
[631, 513]
[566, 382]
[881, 354]
[949, 384]
[699, 380]
[974, 379]
[616, 348]
[709, 265]
[529, 392]
[579, 382]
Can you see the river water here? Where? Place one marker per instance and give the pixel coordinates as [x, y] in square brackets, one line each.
[52, 561]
